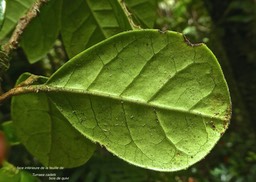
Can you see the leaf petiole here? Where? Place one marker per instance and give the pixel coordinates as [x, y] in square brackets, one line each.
[23, 87]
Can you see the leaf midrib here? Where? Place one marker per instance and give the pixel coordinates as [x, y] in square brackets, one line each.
[48, 88]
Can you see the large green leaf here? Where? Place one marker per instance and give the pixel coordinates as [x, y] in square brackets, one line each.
[87, 22]
[15, 9]
[40, 35]
[144, 11]
[46, 133]
[149, 97]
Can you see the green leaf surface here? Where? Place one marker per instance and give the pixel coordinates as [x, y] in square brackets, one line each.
[40, 35]
[2, 12]
[15, 9]
[87, 22]
[148, 97]
[143, 11]
[10, 132]
[46, 133]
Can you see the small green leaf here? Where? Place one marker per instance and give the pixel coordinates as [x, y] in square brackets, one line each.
[46, 133]
[41, 33]
[10, 132]
[15, 9]
[144, 11]
[2, 12]
[150, 98]
[87, 22]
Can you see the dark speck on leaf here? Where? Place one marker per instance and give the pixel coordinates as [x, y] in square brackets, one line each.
[212, 125]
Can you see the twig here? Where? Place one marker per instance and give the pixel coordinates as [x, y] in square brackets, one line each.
[12, 44]
[29, 81]
[129, 15]
[24, 87]
[189, 43]
[14, 91]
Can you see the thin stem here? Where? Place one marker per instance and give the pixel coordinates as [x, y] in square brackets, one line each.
[129, 15]
[16, 91]
[189, 43]
[29, 81]
[22, 88]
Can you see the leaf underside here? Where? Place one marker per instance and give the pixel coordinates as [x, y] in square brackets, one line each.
[148, 97]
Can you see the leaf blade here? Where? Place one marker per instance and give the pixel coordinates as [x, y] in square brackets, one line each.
[47, 25]
[148, 97]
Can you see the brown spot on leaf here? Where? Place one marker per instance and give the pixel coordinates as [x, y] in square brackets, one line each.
[212, 125]
[227, 117]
